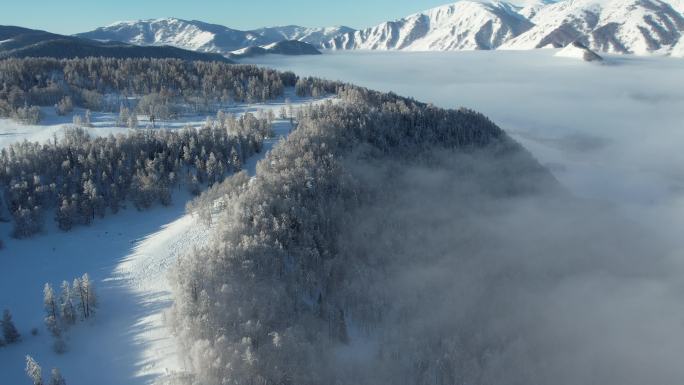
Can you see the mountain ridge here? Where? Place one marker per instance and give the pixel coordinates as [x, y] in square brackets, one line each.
[206, 37]
[24, 42]
[607, 26]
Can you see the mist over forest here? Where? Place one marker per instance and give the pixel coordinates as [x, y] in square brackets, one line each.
[361, 218]
[414, 262]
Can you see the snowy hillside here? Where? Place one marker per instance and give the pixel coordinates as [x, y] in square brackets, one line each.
[128, 257]
[577, 50]
[314, 36]
[610, 26]
[614, 26]
[200, 36]
[465, 25]
[678, 50]
[285, 47]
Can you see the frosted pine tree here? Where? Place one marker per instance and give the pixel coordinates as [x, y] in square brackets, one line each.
[87, 119]
[49, 301]
[67, 308]
[51, 320]
[89, 297]
[56, 377]
[124, 116]
[9, 331]
[133, 121]
[78, 121]
[77, 288]
[33, 371]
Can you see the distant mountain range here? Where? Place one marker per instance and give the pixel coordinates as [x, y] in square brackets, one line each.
[609, 26]
[605, 26]
[465, 25]
[612, 26]
[24, 42]
[615, 26]
[204, 37]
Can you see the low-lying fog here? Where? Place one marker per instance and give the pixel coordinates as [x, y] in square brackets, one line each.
[611, 132]
[589, 293]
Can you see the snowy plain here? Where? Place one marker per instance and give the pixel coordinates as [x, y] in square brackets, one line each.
[127, 255]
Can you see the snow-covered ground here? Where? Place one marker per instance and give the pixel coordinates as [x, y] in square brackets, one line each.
[128, 256]
[105, 123]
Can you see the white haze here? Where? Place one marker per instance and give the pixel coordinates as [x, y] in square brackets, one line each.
[542, 290]
[529, 289]
[610, 132]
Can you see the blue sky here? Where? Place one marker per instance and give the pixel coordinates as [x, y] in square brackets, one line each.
[71, 16]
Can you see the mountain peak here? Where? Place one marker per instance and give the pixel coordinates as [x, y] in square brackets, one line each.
[613, 26]
[205, 37]
[463, 25]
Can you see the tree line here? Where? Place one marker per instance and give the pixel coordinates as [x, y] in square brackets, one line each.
[83, 177]
[105, 84]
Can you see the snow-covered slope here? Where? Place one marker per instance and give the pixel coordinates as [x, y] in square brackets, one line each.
[577, 50]
[200, 36]
[612, 26]
[615, 26]
[314, 36]
[128, 256]
[678, 50]
[285, 47]
[532, 7]
[465, 25]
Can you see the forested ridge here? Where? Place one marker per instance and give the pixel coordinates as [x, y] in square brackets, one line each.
[278, 297]
[104, 84]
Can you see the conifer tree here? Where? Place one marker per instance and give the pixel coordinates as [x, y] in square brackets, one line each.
[9, 331]
[56, 377]
[67, 309]
[51, 311]
[34, 371]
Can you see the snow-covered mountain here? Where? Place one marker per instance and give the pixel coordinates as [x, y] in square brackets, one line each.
[678, 50]
[314, 36]
[205, 37]
[577, 50]
[613, 26]
[284, 47]
[616, 26]
[465, 25]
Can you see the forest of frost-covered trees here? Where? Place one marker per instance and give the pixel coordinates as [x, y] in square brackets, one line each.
[267, 301]
[80, 178]
[83, 178]
[102, 84]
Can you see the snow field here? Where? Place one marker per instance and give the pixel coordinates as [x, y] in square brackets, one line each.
[127, 255]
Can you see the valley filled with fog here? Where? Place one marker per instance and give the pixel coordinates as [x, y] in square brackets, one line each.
[547, 288]
[610, 132]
